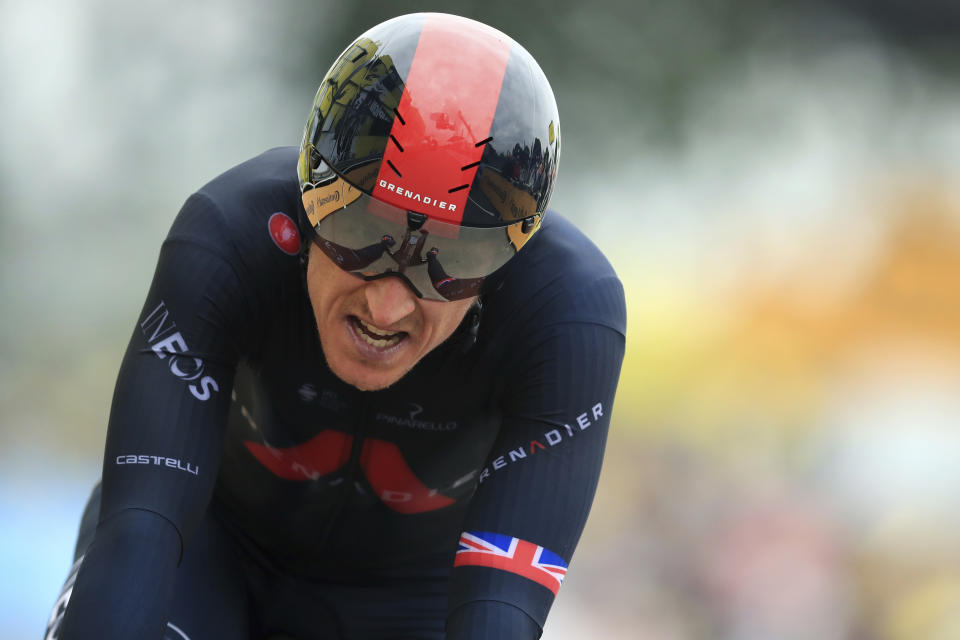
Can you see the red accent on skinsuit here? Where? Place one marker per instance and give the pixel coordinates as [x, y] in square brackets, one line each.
[284, 233]
[382, 462]
[321, 455]
[394, 481]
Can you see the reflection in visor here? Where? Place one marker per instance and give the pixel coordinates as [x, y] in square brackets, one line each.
[354, 259]
[372, 239]
[449, 287]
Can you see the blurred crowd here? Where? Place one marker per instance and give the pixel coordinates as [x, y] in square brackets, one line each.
[787, 468]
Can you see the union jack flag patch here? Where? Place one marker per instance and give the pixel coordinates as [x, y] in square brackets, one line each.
[497, 551]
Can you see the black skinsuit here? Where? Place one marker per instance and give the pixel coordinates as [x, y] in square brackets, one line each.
[247, 491]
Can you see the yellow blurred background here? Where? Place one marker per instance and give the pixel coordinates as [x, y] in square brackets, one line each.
[776, 185]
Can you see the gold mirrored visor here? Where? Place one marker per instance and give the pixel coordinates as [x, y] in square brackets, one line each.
[438, 260]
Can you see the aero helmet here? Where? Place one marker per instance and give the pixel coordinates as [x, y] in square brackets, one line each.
[430, 130]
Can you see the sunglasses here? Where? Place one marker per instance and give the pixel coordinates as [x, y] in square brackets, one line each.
[372, 239]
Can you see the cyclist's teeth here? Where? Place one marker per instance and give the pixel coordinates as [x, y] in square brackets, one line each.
[380, 343]
[375, 331]
[377, 338]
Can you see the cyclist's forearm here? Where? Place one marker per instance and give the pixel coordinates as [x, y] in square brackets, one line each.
[491, 620]
[125, 579]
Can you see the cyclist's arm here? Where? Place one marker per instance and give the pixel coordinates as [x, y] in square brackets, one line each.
[538, 486]
[163, 443]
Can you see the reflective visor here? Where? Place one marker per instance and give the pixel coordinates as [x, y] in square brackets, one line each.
[438, 260]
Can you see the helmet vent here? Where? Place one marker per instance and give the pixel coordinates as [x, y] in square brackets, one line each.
[396, 112]
[359, 55]
[471, 165]
[396, 142]
[482, 142]
[460, 188]
[395, 170]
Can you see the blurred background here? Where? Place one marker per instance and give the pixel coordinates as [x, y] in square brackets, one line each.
[777, 184]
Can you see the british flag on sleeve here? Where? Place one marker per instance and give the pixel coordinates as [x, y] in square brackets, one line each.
[499, 551]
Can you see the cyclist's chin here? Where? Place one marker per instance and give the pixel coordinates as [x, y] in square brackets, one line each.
[366, 364]
[367, 376]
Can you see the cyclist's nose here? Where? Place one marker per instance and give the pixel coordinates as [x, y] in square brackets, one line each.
[389, 300]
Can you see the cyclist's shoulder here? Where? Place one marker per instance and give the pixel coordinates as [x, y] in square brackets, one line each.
[273, 169]
[562, 276]
[245, 197]
[253, 188]
[567, 249]
[247, 216]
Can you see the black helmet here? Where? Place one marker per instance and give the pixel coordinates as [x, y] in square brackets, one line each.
[440, 115]
[429, 128]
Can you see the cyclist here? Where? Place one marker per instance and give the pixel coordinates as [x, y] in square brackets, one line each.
[369, 391]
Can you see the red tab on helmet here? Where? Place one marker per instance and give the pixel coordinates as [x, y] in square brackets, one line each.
[445, 114]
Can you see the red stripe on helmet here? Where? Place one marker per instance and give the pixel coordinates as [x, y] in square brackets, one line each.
[446, 109]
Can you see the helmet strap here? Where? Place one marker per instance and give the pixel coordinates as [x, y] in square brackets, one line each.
[471, 326]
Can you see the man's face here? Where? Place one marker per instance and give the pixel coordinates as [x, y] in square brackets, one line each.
[374, 332]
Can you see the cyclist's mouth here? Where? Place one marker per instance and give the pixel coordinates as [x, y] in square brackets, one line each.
[376, 338]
